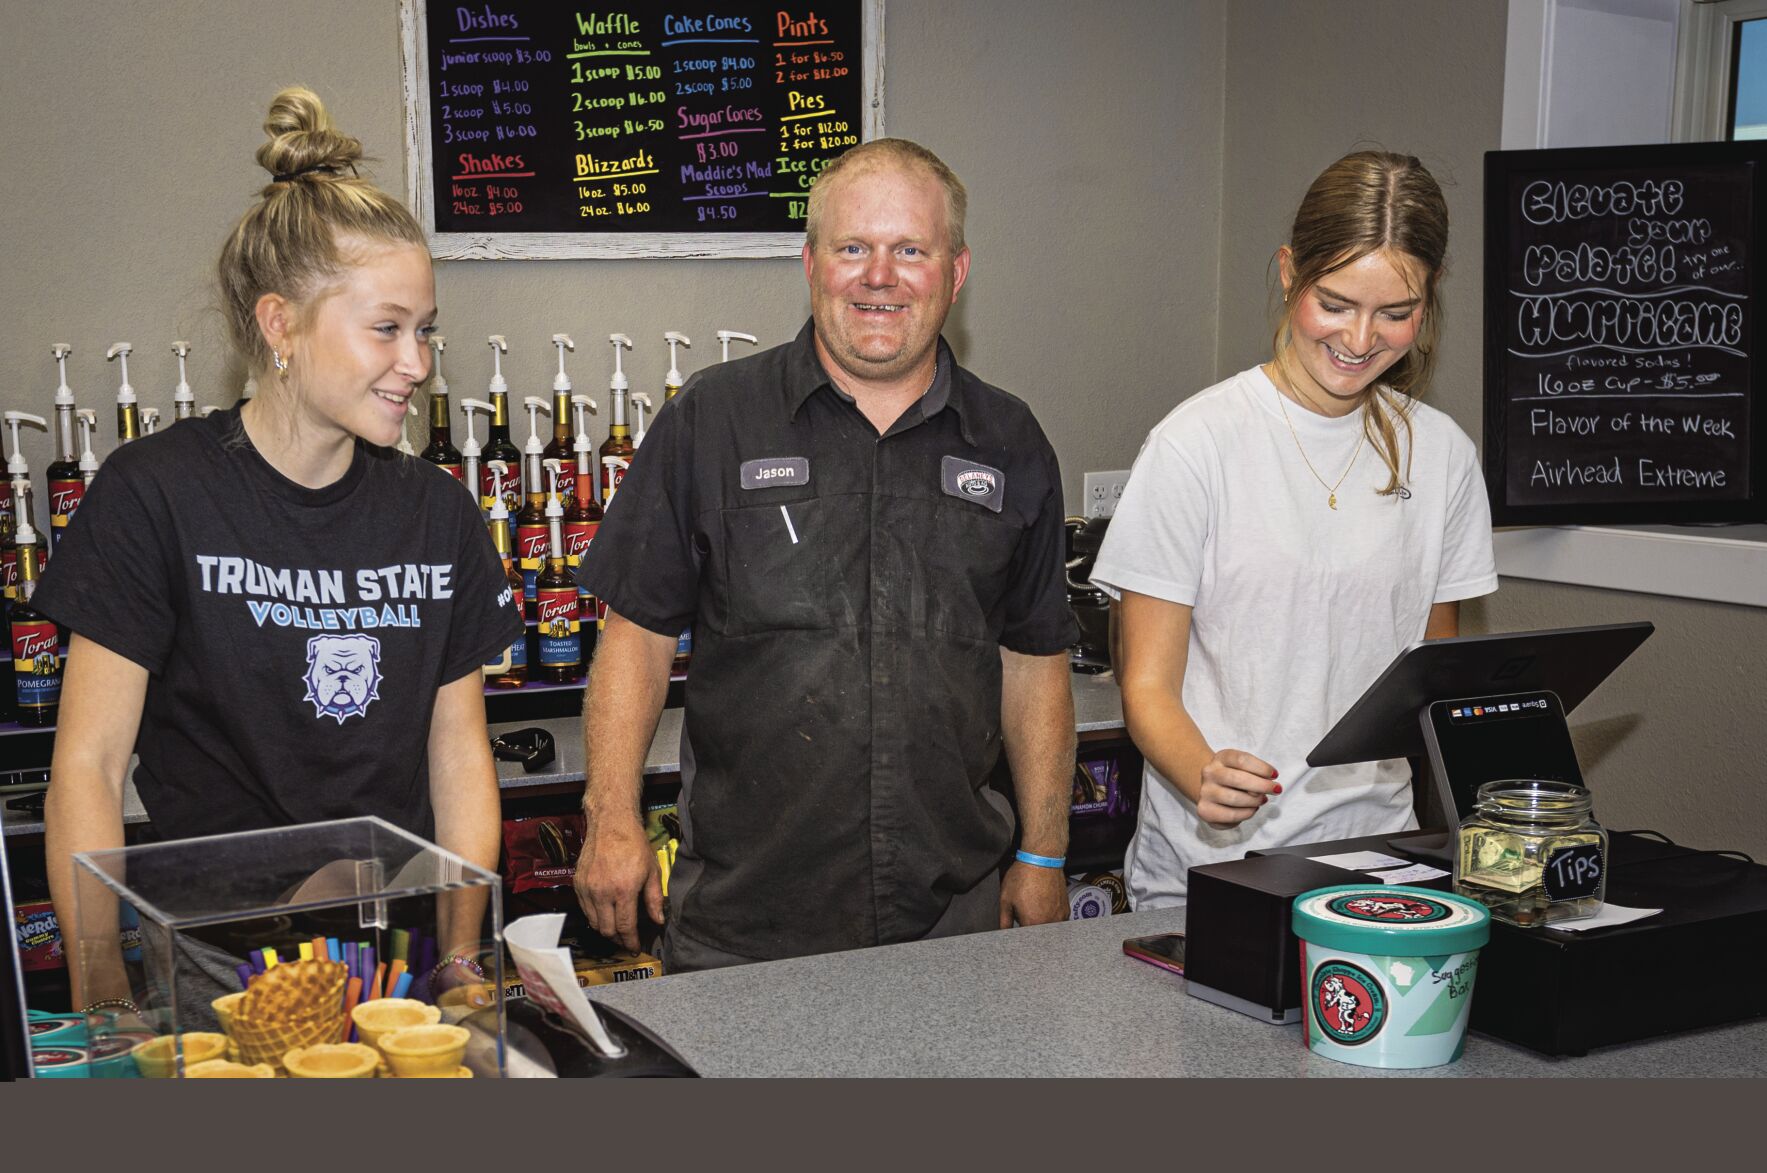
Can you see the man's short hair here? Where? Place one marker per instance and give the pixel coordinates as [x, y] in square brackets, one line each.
[900, 152]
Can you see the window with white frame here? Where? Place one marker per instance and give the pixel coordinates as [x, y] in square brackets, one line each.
[1721, 71]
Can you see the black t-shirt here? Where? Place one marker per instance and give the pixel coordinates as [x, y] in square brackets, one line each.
[849, 595]
[294, 638]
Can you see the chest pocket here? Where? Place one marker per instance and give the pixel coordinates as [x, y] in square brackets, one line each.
[800, 566]
[949, 565]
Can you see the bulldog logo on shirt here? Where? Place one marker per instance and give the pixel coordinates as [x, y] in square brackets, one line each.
[343, 675]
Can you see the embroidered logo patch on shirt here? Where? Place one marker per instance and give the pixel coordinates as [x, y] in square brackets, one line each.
[974, 482]
[774, 471]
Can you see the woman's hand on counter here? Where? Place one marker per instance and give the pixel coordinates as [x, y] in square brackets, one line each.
[616, 866]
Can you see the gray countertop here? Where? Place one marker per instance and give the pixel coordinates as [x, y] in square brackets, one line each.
[1056, 1000]
[1098, 707]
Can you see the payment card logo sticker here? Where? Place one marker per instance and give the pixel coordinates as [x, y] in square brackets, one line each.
[1387, 909]
[1348, 1005]
[343, 675]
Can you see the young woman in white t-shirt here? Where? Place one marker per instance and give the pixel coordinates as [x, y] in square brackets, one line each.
[1285, 533]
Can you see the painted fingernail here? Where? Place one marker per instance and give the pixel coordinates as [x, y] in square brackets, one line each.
[1277, 790]
[1274, 773]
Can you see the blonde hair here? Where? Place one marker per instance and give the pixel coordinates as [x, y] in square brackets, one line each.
[295, 240]
[881, 152]
[1365, 203]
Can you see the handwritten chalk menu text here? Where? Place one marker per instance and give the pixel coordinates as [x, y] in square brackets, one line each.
[1624, 295]
[548, 117]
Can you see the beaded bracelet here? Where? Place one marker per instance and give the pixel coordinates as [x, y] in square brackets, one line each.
[1042, 861]
[110, 1004]
[464, 962]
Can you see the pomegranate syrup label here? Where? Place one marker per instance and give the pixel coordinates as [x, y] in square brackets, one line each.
[36, 663]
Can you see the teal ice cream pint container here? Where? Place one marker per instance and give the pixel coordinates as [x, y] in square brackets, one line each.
[56, 1030]
[1387, 972]
[59, 1062]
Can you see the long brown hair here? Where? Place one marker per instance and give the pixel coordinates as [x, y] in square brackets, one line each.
[1364, 203]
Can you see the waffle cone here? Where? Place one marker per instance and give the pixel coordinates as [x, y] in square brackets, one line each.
[294, 1005]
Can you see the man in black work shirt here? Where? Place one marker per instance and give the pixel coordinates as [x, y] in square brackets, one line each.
[867, 540]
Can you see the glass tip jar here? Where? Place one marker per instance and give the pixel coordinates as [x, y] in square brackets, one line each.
[1533, 853]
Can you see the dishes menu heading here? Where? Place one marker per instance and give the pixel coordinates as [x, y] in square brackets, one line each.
[548, 117]
[1625, 330]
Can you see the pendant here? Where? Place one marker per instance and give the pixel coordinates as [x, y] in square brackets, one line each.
[1333, 502]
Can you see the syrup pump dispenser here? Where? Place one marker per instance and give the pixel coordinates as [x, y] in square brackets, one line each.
[469, 453]
[128, 414]
[89, 459]
[183, 402]
[640, 404]
[559, 448]
[724, 337]
[673, 381]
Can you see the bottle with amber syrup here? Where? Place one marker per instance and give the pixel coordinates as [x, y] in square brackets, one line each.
[500, 446]
[440, 450]
[582, 517]
[509, 669]
[619, 434]
[128, 408]
[35, 642]
[559, 631]
[559, 448]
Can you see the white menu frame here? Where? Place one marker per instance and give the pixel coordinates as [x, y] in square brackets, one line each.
[548, 246]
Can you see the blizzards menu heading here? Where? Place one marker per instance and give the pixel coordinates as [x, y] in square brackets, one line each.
[553, 118]
[1622, 316]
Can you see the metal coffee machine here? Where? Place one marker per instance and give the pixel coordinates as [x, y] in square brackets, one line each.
[1091, 606]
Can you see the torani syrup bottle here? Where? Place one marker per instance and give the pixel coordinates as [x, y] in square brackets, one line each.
[530, 523]
[559, 629]
[583, 517]
[510, 668]
[619, 437]
[499, 446]
[440, 450]
[18, 480]
[560, 447]
[65, 485]
[36, 645]
[128, 413]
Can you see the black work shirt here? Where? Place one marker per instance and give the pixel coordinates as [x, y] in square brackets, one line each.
[849, 595]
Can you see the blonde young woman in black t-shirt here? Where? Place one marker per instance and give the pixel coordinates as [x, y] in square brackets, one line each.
[280, 614]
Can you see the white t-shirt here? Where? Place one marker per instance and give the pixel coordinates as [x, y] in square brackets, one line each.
[1296, 607]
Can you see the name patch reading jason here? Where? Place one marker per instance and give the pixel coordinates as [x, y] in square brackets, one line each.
[774, 471]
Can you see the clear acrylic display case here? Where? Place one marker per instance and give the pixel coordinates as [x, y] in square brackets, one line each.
[209, 906]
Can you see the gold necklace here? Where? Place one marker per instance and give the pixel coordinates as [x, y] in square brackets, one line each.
[1331, 490]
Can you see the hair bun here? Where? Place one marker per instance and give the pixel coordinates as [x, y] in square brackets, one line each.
[303, 139]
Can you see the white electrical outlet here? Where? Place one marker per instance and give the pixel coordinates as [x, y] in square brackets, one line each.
[1102, 491]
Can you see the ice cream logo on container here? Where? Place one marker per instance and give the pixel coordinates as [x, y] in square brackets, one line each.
[1385, 908]
[1388, 973]
[1348, 1003]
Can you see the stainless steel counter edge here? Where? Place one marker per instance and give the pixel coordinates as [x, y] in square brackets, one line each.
[1056, 1000]
[1098, 707]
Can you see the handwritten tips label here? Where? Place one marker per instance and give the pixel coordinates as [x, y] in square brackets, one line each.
[627, 119]
[1626, 328]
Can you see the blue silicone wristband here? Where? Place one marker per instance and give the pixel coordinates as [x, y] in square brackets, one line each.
[1042, 861]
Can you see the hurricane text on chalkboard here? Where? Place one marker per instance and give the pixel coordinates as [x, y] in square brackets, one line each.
[545, 120]
[1622, 294]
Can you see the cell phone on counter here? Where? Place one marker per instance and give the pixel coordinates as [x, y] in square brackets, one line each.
[1165, 950]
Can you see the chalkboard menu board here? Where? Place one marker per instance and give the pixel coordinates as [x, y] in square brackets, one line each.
[545, 129]
[1623, 334]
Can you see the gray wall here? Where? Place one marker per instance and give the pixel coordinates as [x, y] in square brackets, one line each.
[130, 130]
[1112, 277]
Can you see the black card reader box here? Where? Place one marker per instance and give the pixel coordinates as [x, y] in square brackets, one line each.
[1239, 949]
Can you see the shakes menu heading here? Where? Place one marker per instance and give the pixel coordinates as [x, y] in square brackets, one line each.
[549, 129]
